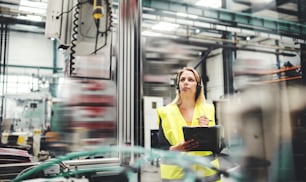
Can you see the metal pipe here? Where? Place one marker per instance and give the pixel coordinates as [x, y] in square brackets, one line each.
[2, 84]
[128, 70]
[32, 67]
[4, 52]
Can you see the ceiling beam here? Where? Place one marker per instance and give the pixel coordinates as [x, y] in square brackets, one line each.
[235, 19]
[273, 5]
[12, 21]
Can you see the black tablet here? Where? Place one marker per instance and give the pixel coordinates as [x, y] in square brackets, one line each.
[209, 138]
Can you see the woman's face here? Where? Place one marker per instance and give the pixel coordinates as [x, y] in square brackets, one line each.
[187, 83]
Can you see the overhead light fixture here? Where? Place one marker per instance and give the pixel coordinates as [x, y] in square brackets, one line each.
[151, 34]
[33, 10]
[30, 6]
[156, 34]
[197, 31]
[31, 18]
[186, 15]
[210, 4]
[261, 1]
[165, 26]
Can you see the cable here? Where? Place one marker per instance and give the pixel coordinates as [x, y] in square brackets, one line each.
[74, 37]
[66, 12]
[74, 32]
[110, 15]
[97, 49]
[181, 159]
[97, 15]
[25, 170]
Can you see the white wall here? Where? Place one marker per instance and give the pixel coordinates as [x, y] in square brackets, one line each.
[29, 49]
[215, 86]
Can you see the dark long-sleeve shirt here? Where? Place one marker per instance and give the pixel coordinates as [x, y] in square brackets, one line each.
[162, 140]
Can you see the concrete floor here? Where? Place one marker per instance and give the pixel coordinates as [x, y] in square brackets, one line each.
[151, 172]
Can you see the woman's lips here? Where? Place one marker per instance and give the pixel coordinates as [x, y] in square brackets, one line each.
[185, 88]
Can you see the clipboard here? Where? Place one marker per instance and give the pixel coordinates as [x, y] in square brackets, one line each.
[209, 138]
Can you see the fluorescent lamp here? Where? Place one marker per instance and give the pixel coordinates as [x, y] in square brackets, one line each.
[31, 18]
[30, 6]
[262, 1]
[209, 3]
[151, 34]
[165, 26]
[157, 34]
[33, 10]
[187, 15]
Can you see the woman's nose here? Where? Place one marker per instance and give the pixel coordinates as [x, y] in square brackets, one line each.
[186, 82]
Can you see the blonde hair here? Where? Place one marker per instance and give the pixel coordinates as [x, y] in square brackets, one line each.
[201, 98]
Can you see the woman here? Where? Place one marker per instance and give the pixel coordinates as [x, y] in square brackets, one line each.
[187, 109]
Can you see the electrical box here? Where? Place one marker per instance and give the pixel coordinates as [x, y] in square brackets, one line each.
[150, 117]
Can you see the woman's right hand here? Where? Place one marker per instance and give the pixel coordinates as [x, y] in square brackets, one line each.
[185, 146]
[203, 121]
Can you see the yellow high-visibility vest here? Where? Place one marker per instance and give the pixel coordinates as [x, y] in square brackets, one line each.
[172, 124]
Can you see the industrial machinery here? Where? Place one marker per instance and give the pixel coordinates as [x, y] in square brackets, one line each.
[25, 118]
[84, 116]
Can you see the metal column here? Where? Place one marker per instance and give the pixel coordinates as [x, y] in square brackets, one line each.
[228, 66]
[4, 34]
[129, 72]
[303, 63]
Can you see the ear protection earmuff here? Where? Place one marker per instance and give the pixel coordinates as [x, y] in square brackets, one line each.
[177, 82]
[198, 88]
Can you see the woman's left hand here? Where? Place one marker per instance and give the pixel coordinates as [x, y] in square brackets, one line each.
[185, 146]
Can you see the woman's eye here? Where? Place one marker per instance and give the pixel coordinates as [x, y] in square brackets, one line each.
[191, 80]
[188, 79]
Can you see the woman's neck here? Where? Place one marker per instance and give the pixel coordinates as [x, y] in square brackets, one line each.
[187, 104]
[187, 108]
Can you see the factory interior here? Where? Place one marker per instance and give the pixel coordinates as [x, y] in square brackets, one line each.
[80, 82]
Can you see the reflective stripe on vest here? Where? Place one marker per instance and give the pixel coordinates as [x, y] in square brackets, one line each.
[212, 178]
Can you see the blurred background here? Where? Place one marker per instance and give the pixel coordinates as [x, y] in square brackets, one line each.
[80, 74]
